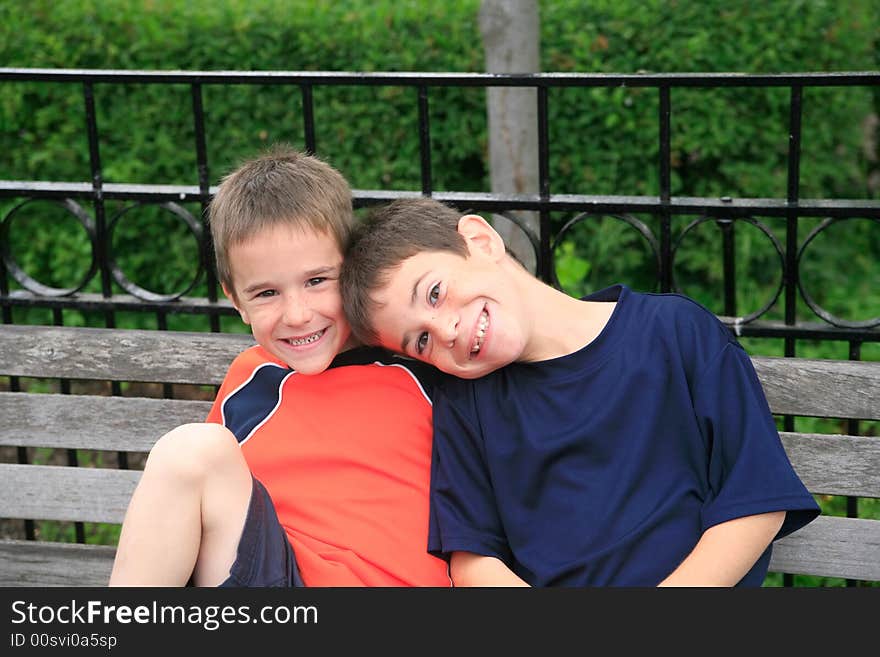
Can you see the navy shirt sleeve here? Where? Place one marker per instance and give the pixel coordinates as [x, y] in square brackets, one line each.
[749, 471]
[463, 515]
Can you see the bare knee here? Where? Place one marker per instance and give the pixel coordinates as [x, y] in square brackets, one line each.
[194, 451]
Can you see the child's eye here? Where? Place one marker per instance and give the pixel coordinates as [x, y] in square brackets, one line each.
[422, 342]
[317, 280]
[266, 293]
[434, 294]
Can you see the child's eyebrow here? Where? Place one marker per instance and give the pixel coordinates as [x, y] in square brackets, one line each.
[254, 287]
[412, 299]
[320, 270]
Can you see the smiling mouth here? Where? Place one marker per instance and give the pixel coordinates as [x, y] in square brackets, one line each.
[309, 339]
[482, 326]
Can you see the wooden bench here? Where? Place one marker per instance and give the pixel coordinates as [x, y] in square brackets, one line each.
[828, 464]
[106, 423]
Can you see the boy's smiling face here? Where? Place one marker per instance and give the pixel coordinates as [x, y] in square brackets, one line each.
[459, 314]
[286, 283]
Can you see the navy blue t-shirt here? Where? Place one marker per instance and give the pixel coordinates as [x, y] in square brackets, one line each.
[604, 467]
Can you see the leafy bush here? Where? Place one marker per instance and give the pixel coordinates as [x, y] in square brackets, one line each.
[731, 141]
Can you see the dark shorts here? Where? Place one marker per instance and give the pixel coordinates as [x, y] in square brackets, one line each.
[265, 557]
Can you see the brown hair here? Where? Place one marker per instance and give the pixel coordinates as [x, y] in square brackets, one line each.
[389, 235]
[281, 186]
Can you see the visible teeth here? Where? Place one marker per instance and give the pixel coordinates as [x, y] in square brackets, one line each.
[482, 325]
[296, 342]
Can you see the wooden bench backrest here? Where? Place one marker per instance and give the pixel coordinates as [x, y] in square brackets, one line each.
[828, 464]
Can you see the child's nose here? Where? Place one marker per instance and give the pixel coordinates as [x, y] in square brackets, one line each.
[296, 312]
[447, 327]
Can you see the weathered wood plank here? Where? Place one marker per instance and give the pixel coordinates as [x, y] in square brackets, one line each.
[828, 464]
[795, 386]
[130, 424]
[51, 492]
[831, 547]
[835, 465]
[827, 547]
[821, 388]
[118, 354]
[35, 563]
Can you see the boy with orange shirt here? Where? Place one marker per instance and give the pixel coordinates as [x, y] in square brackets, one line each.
[313, 467]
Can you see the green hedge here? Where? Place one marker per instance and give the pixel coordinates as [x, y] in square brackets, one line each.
[603, 141]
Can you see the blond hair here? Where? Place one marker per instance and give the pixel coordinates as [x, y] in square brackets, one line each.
[280, 187]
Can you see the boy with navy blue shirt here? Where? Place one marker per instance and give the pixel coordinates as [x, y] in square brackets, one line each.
[618, 440]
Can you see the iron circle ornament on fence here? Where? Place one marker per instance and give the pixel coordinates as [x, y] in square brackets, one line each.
[808, 299]
[640, 226]
[195, 229]
[744, 319]
[28, 282]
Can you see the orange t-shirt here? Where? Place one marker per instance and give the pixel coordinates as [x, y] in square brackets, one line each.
[346, 457]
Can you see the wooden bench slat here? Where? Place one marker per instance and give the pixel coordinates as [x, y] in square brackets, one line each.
[820, 388]
[51, 492]
[36, 563]
[835, 465]
[831, 547]
[827, 547]
[92, 422]
[827, 464]
[794, 386]
[118, 354]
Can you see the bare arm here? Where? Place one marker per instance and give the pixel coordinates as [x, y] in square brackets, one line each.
[469, 569]
[725, 552]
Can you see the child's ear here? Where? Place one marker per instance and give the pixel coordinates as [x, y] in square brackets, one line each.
[232, 299]
[480, 237]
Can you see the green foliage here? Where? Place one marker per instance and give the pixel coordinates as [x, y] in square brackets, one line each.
[597, 251]
[146, 131]
[731, 141]
[725, 142]
[571, 270]
[65, 532]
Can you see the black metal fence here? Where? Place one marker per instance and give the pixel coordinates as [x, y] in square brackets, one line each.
[672, 218]
[661, 241]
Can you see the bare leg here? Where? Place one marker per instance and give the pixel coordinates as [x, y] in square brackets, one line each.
[187, 512]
